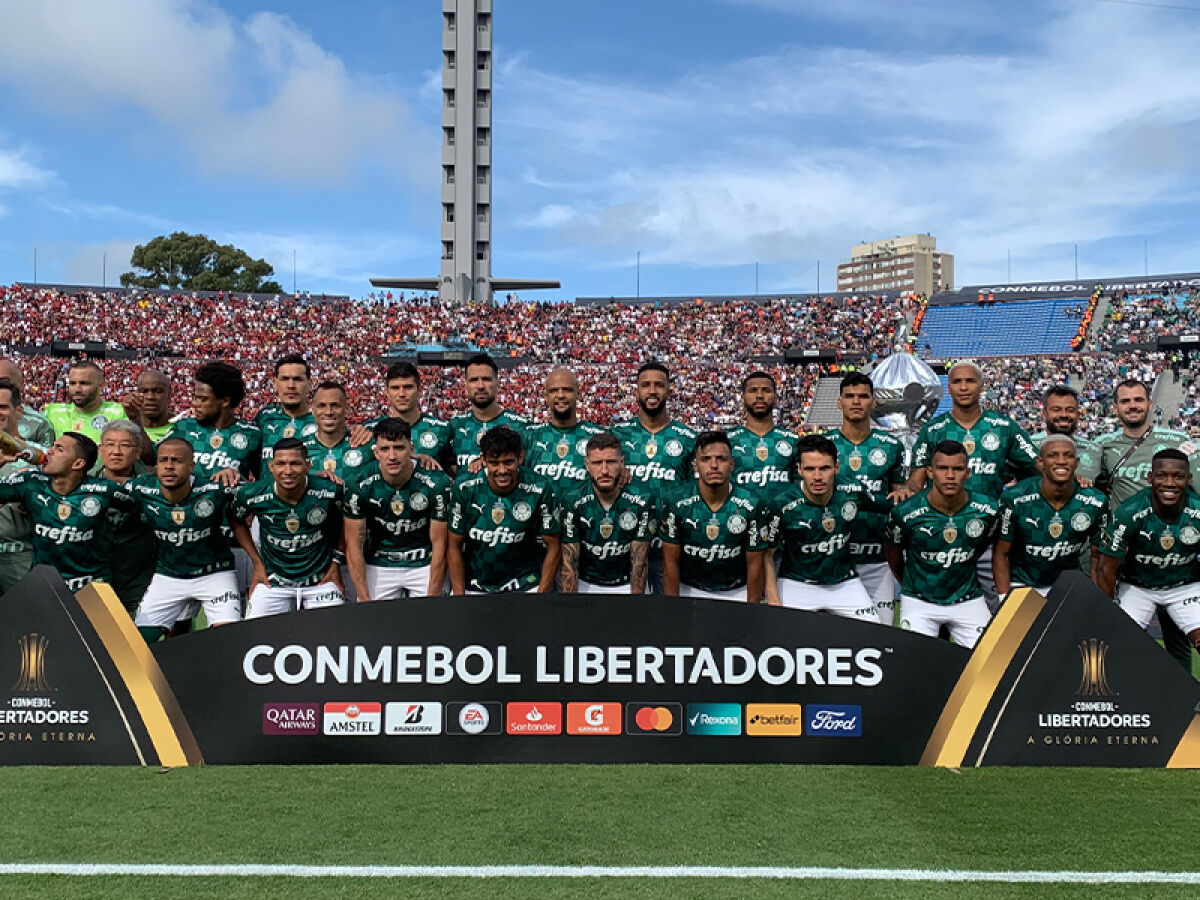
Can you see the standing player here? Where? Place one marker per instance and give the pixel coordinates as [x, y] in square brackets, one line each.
[329, 447]
[1047, 523]
[504, 529]
[712, 546]
[557, 450]
[15, 528]
[300, 523]
[1152, 544]
[31, 424]
[812, 523]
[290, 415]
[481, 383]
[430, 435]
[764, 456]
[606, 528]
[875, 459]
[396, 522]
[218, 439]
[1060, 412]
[934, 542]
[154, 395]
[994, 444]
[1125, 459]
[194, 563]
[86, 410]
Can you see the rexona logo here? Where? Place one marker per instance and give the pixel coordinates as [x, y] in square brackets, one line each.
[474, 718]
[593, 718]
[654, 718]
[413, 718]
[354, 718]
[774, 720]
[714, 719]
[290, 718]
[833, 721]
[535, 718]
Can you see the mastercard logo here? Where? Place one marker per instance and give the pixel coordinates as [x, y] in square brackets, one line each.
[654, 718]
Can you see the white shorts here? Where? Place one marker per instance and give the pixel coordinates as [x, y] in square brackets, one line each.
[586, 587]
[737, 595]
[1181, 603]
[350, 592]
[966, 620]
[271, 600]
[880, 585]
[392, 583]
[168, 599]
[848, 599]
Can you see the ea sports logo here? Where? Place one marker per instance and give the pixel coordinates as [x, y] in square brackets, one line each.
[473, 718]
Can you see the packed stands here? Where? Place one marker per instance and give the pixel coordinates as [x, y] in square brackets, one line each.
[1136, 318]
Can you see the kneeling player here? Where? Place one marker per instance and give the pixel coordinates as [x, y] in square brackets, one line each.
[300, 526]
[194, 562]
[1152, 544]
[812, 523]
[933, 543]
[399, 513]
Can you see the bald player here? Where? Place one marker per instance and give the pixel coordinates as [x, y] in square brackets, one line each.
[556, 449]
[154, 393]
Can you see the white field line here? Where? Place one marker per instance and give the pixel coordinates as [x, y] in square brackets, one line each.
[797, 873]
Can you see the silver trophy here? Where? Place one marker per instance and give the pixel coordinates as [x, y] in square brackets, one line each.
[907, 393]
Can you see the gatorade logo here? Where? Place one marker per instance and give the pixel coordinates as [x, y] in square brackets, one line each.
[593, 718]
[654, 718]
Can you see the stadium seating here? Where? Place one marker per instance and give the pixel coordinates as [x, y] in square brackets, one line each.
[1019, 328]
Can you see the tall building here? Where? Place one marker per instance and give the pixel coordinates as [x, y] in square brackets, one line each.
[909, 263]
[466, 163]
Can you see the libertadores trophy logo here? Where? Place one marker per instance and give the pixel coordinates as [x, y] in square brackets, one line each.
[1093, 681]
[32, 676]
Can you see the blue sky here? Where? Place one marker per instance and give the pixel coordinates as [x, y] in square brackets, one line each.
[709, 135]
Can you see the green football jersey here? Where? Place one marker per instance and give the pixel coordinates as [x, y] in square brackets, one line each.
[276, 423]
[296, 541]
[66, 417]
[993, 443]
[1088, 452]
[877, 463]
[1154, 553]
[605, 535]
[70, 531]
[236, 447]
[713, 544]
[35, 428]
[557, 455]
[346, 462]
[1133, 474]
[814, 540]
[188, 533]
[501, 547]
[762, 464]
[15, 526]
[398, 518]
[466, 430]
[659, 462]
[430, 436]
[1046, 541]
[941, 551]
[157, 432]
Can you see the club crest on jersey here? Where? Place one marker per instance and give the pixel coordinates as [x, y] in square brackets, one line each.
[290, 431]
[674, 448]
[419, 501]
[711, 530]
[736, 524]
[397, 505]
[1189, 535]
[855, 462]
[877, 457]
[309, 429]
[316, 516]
[975, 528]
[239, 441]
[561, 449]
[1056, 529]
[428, 440]
[990, 441]
[761, 452]
[353, 458]
[829, 523]
[216, 441]
[90, 506]
[606, 529]
[581, 446]
[330, 464]
[950, 533]
[178, 516]
[783, 448]
[628, 520]
[497, 514]
[849, 511]
[1166, 541]
[969, 445]
[98, 422]
[64, 511]
[1081, 521]
[651, 449]
[292, 523]
[522, 511]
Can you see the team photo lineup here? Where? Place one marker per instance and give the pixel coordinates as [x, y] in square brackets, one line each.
[186, 508]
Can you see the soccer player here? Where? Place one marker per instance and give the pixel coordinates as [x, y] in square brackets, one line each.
[934, 542]
[154, 395]
[875, 459]
[1060, 412]
[1125, 458]
[606, 527]
[557, 449]
[329, 447]
[69, 510]
[430, 435]
[396, 522]
[194, 563]
[812, 523]
[290, 415]
[31, 424]
[219, 441]
[504, 528]
[994, 444]
[1047, 524]
[86, 410]
[300, 521]
[764, 456]
[480, 381]
[131, 546]
[1151, 544]
[16, 553]
[712, 525]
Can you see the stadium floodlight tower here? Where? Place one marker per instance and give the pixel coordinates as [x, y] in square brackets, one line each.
[466, 273]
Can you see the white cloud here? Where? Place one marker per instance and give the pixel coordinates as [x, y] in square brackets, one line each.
[18, 172]
[257, 97]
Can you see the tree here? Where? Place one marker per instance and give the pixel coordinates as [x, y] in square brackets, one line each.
[197, 262]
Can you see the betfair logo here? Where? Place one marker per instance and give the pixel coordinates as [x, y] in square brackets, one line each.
[1093, 681]
[32, 677]
[774, 720]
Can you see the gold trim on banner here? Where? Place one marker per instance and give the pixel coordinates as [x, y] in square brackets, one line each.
[1187, 754]
[977, 684]
[155, 701]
